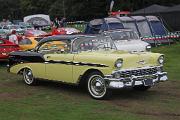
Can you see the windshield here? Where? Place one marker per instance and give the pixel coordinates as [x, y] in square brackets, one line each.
[123, 35]
[92, 44]
[144, 28]
[158, 28]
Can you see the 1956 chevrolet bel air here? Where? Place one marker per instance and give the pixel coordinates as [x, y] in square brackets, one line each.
[91, 61]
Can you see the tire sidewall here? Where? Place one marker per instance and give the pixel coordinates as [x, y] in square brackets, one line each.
[88, 82]
[24, 77]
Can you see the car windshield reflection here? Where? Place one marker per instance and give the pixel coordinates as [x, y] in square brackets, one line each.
[93, 44]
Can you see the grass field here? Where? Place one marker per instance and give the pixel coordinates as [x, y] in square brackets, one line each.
[54, 101]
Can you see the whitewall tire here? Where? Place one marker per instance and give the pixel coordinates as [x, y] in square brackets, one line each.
[96, 86]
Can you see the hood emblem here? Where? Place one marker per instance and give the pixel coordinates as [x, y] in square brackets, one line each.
[142, 62]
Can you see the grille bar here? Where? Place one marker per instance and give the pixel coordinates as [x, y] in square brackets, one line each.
[139, 72]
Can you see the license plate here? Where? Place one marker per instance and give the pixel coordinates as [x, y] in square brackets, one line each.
[148, 82]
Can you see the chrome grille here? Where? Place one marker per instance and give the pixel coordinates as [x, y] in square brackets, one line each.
[139, 72]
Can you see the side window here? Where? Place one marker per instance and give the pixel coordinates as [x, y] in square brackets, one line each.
[55, 47]
[86, 45]
[25, 41]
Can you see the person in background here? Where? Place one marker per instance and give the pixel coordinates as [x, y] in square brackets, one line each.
[63, 22]
[56, 23]
[13, 37]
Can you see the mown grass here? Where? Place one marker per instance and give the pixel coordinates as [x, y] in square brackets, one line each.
[172, 57]
[55, 101]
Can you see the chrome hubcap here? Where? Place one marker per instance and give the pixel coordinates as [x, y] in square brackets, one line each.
[28, 76]
[97, 86]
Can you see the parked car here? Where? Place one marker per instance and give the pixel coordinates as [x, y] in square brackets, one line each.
[2, 33]
[35, 33]
[31, 39]
[26, 26]
[127, 40]
[97, 25]
[6, 47]
[90, 61]
[65, 31]
[9, 28]
[28, 43]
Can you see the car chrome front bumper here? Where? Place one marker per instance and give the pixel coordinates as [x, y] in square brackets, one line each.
[146, 80]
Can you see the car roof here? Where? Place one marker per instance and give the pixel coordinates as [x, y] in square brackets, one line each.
[67, 37]
[63, 37]
[125, 29]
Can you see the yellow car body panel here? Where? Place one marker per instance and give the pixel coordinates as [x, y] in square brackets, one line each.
[29, 46]
[56, 71]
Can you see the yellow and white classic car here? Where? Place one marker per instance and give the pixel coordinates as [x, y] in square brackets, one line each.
[91, 61]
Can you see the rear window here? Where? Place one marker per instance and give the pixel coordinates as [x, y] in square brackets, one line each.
[25, 41]
[158, 28]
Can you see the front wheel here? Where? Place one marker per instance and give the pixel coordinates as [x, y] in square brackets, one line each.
[28, 77]
[96, 86]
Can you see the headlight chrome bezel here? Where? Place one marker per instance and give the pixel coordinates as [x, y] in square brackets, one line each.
[119, 63]
[161, 60]
[148, 48]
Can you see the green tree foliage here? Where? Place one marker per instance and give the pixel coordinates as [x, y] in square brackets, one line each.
[72, 9]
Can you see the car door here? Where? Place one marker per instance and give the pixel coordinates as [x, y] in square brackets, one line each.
[58, 61]
[59, 67]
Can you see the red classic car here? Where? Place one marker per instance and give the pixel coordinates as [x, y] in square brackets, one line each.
[65, 31]
[6, 47]
[35, 33]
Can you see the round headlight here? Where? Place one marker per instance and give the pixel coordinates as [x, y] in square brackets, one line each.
[119, 63]
[148, 47]
[161, 60]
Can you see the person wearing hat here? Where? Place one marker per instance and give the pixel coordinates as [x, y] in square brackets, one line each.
[13, 37]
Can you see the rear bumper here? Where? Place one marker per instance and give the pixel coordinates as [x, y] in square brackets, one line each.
[146, 80]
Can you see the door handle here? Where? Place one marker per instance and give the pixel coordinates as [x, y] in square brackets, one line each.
[48, 56]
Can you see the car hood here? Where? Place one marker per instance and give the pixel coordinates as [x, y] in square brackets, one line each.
[130, 60]
[132, 45]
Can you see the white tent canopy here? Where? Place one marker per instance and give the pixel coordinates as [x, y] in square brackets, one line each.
[38, 20]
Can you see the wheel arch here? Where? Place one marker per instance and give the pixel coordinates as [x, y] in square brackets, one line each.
[82, 79]
[20, 72]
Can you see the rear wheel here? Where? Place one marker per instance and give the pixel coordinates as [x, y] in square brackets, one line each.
[28, 77]
[96, 86]
[141, 88]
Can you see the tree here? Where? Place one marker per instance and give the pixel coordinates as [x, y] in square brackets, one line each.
[72, 9]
